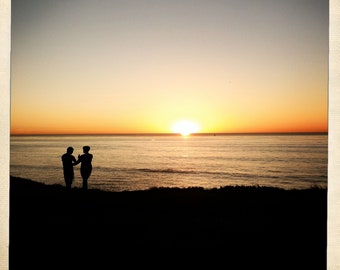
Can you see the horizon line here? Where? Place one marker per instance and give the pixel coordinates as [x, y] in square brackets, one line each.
[171, 134]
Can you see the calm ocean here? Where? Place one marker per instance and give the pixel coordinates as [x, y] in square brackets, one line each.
[141, 162]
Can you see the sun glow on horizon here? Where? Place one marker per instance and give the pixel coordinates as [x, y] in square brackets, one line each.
[185, 127]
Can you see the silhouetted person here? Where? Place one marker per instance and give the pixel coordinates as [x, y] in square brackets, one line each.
[86, 165]
[68, 162]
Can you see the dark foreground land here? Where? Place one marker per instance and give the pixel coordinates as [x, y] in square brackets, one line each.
[255, 225]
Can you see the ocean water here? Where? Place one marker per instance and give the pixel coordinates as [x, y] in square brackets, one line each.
[140, 162]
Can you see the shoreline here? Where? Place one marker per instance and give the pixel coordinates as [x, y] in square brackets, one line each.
[243, 221]
[77, 185]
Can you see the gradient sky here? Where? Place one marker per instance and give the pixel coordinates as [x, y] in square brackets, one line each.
[109, 66]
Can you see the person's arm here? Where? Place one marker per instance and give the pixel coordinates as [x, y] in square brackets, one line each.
[75, 162]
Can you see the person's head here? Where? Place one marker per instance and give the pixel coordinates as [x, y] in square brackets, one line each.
[70, 150]
[86, 149]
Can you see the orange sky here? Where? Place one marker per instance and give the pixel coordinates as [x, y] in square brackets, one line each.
[141, 66]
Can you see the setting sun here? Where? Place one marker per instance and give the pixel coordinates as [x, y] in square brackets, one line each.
[185, 127]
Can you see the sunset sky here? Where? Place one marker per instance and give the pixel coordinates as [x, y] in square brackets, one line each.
[141, 66]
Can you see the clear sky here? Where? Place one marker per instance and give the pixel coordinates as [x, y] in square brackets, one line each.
[140, 66]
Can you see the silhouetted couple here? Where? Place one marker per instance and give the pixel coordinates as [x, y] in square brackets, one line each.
[85, 168]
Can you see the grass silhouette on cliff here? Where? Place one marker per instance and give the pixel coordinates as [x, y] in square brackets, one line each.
[247, 220]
